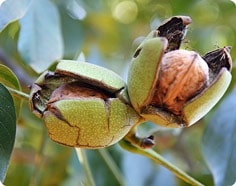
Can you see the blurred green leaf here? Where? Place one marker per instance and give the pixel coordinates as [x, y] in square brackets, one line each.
[75, 10]
[133, 172]
[8, 78]
[12, 10]
[102, 174]
[73, 34]
[75, 172]
[40, 40]
[219, 142]
[7, 129]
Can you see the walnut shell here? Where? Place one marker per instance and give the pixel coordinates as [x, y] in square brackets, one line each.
[183, 74]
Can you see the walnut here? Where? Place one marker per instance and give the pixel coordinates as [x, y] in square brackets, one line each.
[183, 74]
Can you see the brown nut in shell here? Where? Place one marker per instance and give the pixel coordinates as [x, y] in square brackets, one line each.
[183, 74]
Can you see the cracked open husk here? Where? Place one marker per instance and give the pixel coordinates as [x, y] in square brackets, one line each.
[173, 87]
[83, 105]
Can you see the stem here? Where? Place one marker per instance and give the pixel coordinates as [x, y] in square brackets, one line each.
[150, 153]
[112, 165]
[18, 93]
[81, 153]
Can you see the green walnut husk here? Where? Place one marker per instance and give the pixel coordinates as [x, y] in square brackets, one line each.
[83, 105]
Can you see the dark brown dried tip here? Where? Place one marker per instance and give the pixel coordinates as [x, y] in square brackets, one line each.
[174, 29]
[148, 142]
[219, 58]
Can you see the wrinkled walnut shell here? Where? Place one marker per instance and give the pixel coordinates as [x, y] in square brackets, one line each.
[183, 75]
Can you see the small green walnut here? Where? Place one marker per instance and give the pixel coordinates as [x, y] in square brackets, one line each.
[83, 105]
[173, 87]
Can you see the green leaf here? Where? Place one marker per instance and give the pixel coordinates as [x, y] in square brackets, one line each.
[73, 34]
[8, 78]
[40, 40]
[75, 10]
[219, 142]
[101, 173]
[7, 129]
[12, 10]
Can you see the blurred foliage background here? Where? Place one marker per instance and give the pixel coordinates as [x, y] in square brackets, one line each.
[107, 32]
